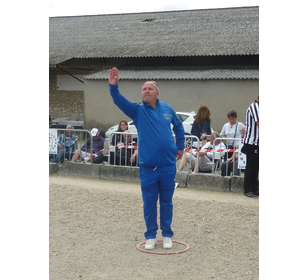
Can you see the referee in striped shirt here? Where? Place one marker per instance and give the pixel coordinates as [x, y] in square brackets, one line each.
[251, 149]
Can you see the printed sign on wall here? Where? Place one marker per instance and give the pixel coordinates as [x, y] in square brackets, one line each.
[241, 158]
[53, 139]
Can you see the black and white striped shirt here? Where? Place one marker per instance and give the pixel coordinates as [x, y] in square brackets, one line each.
[252, 130]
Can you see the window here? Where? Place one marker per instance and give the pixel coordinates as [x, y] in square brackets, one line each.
[182, 117]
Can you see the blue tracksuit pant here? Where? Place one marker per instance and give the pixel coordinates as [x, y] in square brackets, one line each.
[157, 183]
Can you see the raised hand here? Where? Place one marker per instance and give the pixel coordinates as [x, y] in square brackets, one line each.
[113, 76]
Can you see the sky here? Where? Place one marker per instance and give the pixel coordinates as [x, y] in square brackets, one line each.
[98, 7]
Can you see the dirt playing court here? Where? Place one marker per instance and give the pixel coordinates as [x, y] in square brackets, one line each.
[95, 226]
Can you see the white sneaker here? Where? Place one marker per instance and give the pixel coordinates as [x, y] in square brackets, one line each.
[167, 243]
[151, 243]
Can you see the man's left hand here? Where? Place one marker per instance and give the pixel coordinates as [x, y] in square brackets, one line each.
[179, 154]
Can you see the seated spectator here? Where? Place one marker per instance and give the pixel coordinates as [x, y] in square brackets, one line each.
[67, 145]
[97, 145]
[124, 155]
[118, 138]
[205, 158]
[232, 129]
[232, 162]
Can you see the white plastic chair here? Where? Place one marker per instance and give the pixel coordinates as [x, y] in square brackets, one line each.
[216, 156]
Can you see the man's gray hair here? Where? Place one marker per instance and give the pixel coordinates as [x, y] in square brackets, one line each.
[153, 82]
[216, 134]
[128, 132]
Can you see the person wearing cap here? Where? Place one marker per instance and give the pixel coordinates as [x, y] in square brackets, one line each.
[97, 146]
[126, 153]
[158, 151]
[67, 144]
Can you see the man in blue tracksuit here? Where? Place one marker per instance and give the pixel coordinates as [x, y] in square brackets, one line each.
[158, 154]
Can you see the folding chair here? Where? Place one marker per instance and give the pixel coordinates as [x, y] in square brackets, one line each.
[216, 158]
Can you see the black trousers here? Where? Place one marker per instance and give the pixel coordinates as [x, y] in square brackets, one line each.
[118, 160]
[252, 168]
[231, 165]
[100, 158]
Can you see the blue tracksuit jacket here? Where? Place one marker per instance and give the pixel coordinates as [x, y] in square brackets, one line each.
[156, 145]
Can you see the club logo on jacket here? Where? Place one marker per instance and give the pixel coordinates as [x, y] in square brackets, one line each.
[166, 116]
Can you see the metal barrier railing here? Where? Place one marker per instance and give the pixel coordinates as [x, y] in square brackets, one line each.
[222, 139]
[217, 155]
[192, 141]
[190, 144]
[118, 153]
[114, 147]
[236, 146]
[77, 138]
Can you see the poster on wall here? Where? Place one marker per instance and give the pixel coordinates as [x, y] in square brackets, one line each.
[53, 141]
[241, 158]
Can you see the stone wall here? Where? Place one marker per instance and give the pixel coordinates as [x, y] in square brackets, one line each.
[213, 182]
[65, 104]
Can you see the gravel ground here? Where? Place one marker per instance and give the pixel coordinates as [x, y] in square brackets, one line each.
[95, 226]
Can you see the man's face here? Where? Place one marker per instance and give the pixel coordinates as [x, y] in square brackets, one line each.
[149, 94]
[68, 133]
[96, 137]
[127, 138]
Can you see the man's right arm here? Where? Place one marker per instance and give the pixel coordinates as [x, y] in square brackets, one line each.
[113, 76]
[127, 107]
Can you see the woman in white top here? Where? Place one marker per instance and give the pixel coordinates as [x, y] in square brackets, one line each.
[232, 129]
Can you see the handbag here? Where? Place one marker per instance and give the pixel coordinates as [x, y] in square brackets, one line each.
[244, 149]
[232, 146]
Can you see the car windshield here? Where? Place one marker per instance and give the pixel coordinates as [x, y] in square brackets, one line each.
[182, 117]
